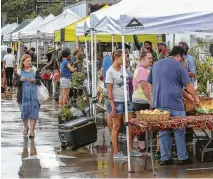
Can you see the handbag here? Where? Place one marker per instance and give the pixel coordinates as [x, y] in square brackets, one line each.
[42, 94]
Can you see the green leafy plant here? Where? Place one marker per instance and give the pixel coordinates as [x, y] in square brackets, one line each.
[204, 70]
[77, 80]
[65, 113]
[82, 102]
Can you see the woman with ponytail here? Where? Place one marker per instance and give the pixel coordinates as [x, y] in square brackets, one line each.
[116, 107]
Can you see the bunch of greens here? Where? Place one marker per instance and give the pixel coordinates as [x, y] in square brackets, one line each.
[204, 111]
[66, 113]
[77, 80]
[204, 70]
[82, 102]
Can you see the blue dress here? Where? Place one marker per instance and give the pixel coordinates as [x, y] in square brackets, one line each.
[30, 105]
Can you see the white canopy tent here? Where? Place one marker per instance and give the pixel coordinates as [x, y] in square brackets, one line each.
[139, 19]
[35, 23]
[149, 17]
[3, 28]
[46, 30]
[26, 35]
[8, 37]
[9, 28]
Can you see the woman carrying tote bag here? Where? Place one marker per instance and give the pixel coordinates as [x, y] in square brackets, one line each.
[26, 79]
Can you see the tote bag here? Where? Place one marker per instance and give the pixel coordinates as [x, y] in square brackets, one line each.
[42, 94]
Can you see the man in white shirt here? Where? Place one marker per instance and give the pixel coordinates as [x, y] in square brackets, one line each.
[9, 62]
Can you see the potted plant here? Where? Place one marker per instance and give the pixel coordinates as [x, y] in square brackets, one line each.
[65, 115]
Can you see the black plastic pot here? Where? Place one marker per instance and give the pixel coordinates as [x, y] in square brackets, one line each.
[60, 121]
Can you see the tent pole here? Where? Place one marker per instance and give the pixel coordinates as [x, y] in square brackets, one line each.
[126, 107]
[173, 40]
[37, 44]
[92, 68]
[11, 40]
[76, 43]
[112, 44]
[88, 75]
[95, 68]
[19, 49]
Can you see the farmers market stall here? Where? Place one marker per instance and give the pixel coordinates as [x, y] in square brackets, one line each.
[202, 122]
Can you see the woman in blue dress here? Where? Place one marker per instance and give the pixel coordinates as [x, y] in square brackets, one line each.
[26, 79]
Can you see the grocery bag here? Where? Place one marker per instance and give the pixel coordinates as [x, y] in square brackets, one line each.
[42, 94]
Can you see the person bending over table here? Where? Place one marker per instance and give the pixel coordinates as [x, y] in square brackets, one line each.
[115, 89]
[168, 77]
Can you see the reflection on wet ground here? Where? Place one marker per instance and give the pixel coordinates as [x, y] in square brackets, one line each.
[43, 158]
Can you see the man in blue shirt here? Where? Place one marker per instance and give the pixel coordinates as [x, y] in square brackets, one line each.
[168, 77]
[191, 67]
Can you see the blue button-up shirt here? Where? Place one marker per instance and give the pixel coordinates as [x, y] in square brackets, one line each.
[191, 67]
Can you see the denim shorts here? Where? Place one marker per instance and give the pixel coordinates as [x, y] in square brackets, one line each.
[120, 107]
[65, 83]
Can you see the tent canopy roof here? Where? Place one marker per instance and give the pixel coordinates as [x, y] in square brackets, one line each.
[151, 16]
[9, 28]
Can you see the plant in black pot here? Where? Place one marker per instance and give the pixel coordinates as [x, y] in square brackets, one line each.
[65, 115]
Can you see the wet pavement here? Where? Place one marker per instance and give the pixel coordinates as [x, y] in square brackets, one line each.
[43, 158]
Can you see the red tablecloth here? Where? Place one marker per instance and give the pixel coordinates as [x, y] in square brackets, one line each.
[200, 122]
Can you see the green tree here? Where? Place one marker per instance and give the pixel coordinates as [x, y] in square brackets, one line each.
[54, 9]
[204, 70]
[25, 9]
[21, 9]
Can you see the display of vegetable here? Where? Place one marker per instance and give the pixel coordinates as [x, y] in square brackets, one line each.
[82, 102]
[66, 113]
[204, 111]
[77, 80]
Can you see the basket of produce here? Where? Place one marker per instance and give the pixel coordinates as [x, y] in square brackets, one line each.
[206, 106]
[153, 115]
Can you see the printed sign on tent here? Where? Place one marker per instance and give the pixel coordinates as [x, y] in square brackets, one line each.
[134, 24]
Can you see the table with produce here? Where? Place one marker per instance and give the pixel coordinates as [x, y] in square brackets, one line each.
[201, 118]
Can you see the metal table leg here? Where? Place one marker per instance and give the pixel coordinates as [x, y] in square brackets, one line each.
[151, 152]
[205, 149]
[147, 149]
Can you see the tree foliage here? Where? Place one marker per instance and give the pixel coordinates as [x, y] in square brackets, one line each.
[21, 9]
[55, 9]
[25, 9]
[204, 70]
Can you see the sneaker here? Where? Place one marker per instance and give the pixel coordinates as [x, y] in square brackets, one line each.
[185, 162]
[135, 153]
[119, 156]
[167, 162]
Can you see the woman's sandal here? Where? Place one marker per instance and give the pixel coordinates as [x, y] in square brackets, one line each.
[25, 133]
[32, 135]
